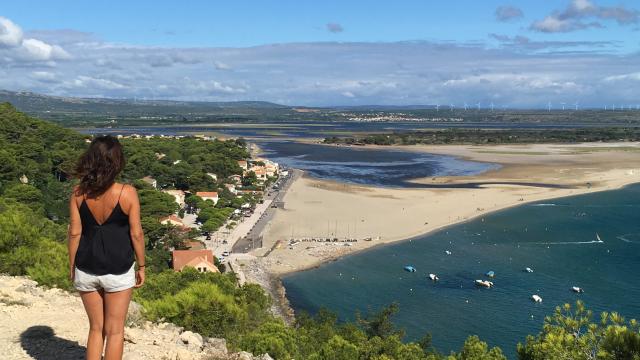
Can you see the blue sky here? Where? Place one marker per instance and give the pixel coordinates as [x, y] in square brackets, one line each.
[518, 53]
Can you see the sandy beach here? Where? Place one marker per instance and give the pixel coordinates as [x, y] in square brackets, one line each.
[319, 209]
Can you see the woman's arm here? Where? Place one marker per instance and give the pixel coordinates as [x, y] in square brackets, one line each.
[137, 236]
[74, 233]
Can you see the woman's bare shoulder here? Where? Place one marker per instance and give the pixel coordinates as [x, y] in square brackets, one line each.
[75, 192]
[129, 191]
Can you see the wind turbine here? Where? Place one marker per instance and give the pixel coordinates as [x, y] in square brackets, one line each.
[562, 106]
[465, 106]
[492, 106]
[549, 106]
[451, 107]
[478, 105]
[437, 107]
[577, 105]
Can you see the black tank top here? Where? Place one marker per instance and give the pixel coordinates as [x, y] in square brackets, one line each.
[105, 248]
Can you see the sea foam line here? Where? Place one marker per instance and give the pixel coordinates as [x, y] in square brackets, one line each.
[571, 242]
[623, 238]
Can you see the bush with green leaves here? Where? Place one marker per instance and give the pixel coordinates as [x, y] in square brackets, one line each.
[33, 245]
[571, 333]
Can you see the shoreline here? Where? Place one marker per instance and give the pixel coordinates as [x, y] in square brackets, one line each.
[602, 179]
[329, 260]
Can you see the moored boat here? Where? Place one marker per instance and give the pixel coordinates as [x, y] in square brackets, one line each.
[409, 268]
[576, 289]
[434, 277]
[484, 283]
[536, 298]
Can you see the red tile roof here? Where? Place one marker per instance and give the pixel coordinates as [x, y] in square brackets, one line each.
[172, 217]
[180, 258]
[207, 194]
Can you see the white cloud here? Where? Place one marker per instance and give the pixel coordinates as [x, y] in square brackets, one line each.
[519, 71]
[88, 82]
[10, 33]
[632, 76]
[219, 65]
[14, 48]
[43, 76]
[37, 50]
[212, 87]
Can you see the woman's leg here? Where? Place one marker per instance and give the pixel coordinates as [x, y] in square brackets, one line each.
[94, 305]
[116, 305]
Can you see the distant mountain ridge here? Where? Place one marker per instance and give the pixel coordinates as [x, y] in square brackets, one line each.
[17, 97]
[89, 111]
[109, 112]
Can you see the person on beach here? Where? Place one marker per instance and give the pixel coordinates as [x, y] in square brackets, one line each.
[104, 235]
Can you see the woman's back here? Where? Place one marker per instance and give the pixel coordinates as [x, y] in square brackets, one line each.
[105, 245]
[104, 233]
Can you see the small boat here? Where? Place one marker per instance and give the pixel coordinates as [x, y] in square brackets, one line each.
[484, 283]
[536, 298]
[529, 270]
[490, 274]
[598, 237]
[576, 289]
[409, 268]
[434, 277]
[447, 252]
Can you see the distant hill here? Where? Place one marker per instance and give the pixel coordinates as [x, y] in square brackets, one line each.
[39, 102]
[105, 112]
[92, 111]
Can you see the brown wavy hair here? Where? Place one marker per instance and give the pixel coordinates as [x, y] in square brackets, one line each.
[99, 166]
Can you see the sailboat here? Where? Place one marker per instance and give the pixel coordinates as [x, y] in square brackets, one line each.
[598, 237]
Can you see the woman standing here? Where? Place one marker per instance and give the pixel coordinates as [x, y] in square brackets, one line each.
[104, 235]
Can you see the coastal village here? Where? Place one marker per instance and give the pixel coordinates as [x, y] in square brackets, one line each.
[208, 251]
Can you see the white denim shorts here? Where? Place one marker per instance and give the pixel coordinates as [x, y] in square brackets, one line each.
[110, 283]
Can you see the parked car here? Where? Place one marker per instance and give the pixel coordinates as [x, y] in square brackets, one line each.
[226, 253]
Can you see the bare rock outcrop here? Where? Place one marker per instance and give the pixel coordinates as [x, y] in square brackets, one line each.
[48, 324]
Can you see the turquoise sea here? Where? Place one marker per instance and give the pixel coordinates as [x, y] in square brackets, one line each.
[556, 238]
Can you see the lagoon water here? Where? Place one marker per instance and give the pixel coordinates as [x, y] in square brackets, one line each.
[366, 166]
[557, 239]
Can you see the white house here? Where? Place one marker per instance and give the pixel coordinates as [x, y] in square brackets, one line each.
[232, 188]
[151, 181]
[177, 194]
[208, 195]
